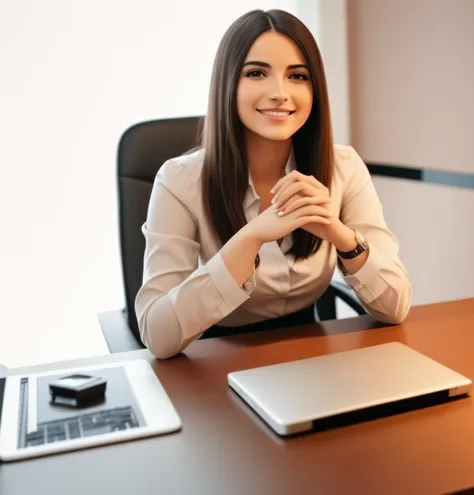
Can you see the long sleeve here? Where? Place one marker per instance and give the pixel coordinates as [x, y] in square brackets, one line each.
[382, 284]
[178, 299]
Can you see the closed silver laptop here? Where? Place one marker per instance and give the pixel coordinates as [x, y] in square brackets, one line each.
[292, 397]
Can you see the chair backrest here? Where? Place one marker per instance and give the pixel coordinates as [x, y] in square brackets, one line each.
[143, 148]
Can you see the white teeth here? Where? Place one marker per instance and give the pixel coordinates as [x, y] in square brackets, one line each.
[276, 114]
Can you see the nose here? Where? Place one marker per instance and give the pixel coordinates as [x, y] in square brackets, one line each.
[278, 93]
[278, 98]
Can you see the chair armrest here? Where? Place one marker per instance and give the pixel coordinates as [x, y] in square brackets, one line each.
[117, 333]
[344, 292]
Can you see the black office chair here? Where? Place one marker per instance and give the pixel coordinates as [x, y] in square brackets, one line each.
[142, 150]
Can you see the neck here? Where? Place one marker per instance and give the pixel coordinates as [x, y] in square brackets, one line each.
[266, 159]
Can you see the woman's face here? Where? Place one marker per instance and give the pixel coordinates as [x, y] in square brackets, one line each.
[274, 93]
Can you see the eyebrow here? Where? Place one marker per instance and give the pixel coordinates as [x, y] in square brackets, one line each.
[268, 66]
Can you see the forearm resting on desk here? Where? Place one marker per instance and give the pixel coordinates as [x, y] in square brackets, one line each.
[174, 306]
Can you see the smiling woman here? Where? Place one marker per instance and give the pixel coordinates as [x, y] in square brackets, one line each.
[273, 103]
[265, 61]
[262, 84]
[250, 227]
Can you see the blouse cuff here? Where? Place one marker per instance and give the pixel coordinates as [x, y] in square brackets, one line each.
[231, 293]
[367, 282]
[249, 285]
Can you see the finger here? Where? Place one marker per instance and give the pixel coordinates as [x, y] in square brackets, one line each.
[293, 176]
[287, 191]
[301, 188]
[293, 198]
[315, 182]
[314, 200]
[309, 210]
[301, 221]
[300, 202]
[277, 186]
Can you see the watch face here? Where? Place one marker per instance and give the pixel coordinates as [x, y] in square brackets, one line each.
[361, 240]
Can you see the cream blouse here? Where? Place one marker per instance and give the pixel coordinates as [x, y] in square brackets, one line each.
[187, 287]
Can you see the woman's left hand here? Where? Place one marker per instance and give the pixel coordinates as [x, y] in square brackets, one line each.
[296, 190]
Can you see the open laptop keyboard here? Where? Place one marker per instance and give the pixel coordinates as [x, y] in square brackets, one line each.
[83, 425]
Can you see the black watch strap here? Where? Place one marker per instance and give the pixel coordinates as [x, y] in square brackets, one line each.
[348, 255]
[360, 248]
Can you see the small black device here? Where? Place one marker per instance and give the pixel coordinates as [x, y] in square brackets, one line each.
[78, 389]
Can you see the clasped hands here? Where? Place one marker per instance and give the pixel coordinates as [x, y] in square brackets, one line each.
[299, 201]
[296, 190]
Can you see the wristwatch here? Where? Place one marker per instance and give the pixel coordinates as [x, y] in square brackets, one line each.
[362, 245]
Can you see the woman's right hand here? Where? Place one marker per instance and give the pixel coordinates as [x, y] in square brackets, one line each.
[269, 226]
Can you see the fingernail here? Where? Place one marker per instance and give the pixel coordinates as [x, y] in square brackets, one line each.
[273, 200]
[281, 213]
[272, 190]
[275, 207]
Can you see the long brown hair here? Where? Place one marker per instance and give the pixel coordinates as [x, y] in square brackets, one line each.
[225, 175]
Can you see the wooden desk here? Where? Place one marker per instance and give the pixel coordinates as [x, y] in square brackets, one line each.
[225, 449]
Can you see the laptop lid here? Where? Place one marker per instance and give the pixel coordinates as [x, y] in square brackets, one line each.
[291, 396]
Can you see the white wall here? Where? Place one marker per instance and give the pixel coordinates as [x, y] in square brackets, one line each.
[433, 226]
[412, 104]
[327, 20]
[412, 80]
[74, 76]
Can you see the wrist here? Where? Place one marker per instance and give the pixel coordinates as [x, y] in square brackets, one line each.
[250, 238]
[240, 255]
[343, 237]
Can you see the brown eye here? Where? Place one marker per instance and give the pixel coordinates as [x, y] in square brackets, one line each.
[254, 74]
[300, 77]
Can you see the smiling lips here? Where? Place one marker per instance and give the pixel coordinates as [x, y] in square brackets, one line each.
[279, 113]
